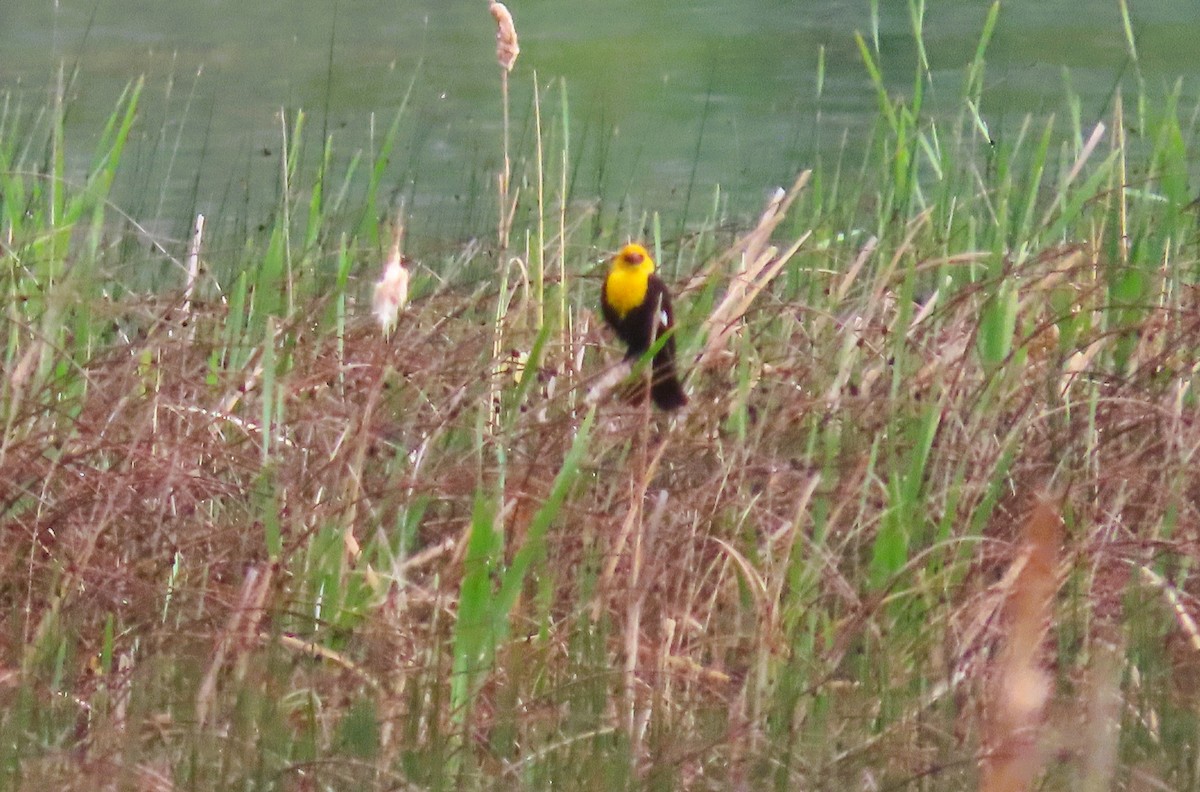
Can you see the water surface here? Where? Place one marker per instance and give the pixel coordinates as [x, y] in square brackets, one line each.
[666, 99]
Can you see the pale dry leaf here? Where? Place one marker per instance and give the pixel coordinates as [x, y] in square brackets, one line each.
[391, 291]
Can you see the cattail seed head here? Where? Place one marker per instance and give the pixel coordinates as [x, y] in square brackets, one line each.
[507, 48]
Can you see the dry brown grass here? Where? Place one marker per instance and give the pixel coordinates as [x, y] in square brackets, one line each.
[715, 558]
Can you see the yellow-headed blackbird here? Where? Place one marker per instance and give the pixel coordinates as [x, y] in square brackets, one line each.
[638, 307]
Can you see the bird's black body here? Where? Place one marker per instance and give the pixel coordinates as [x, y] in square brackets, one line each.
[639, 328]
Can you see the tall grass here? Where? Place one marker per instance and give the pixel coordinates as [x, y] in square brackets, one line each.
[250, 542]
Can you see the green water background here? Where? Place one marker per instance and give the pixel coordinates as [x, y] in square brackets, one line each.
[665, 99]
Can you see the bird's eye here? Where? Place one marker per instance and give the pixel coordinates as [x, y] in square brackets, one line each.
[633, 257]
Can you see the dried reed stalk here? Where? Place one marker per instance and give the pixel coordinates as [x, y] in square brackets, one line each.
[759, 263]
[239, 635]
[507, 50]
[1186, 623]
[1021, 683]
[610, 380]
[1102, 728]
[193, 267]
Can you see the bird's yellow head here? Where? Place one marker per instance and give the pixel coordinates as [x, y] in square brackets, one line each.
[628, 278]
[633, 258]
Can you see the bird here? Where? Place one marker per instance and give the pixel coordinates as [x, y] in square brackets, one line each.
[637, 305]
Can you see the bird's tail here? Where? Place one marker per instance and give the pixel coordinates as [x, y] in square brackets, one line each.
[665, 388]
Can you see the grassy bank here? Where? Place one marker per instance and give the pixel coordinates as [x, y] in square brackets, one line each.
[928, 523]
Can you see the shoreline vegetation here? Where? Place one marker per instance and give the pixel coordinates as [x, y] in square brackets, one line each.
[928, 521]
